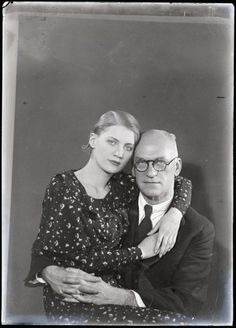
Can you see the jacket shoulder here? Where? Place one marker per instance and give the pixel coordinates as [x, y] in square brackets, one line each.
[198, 221]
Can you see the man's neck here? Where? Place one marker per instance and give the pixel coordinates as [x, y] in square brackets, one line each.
[158, 200]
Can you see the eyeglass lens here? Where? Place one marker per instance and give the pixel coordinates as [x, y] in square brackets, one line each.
[157, 165]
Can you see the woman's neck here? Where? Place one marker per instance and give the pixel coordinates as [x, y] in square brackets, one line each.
[93, 175]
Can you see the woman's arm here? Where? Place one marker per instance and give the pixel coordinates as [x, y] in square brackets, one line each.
[165, 238]
[56, 245]
[168, 226]
[182, 194]
[41, 256]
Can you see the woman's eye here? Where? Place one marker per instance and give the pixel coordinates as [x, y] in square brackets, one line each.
[111, 142]
[129, 148]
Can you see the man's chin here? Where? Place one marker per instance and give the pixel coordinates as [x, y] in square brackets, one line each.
[152, 196]
[153, 191]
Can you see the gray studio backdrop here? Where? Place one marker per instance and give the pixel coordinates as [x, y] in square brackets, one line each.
[170, 66]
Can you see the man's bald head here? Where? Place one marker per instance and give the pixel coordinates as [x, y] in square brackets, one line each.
[159, 139]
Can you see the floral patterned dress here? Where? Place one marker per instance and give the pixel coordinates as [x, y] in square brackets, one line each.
[79, 231]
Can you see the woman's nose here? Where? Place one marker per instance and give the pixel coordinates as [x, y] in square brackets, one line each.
[119, 152]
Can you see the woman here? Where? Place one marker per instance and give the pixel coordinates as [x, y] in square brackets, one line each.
[84, 217]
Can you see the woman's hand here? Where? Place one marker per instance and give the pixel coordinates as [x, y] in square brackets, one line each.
[102, 293]
[167, 228]
[147, 246]
[65, 281]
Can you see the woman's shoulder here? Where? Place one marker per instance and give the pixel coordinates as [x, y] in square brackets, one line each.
[62, 178]
[125, 186]
[123, 178]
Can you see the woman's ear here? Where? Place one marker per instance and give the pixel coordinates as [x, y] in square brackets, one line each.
[178, 166]
[92, 139]
[132, 171]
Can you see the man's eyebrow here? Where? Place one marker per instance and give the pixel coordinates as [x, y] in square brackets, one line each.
[155, 159]
[160, 158]
[138, 158]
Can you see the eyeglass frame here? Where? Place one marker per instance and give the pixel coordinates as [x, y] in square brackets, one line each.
[152, 161]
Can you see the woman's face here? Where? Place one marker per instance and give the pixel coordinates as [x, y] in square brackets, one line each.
[112, 148]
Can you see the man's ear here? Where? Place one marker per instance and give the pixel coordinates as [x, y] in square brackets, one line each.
[178, 166]
[92, 139]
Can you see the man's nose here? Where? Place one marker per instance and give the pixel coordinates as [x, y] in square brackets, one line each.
[119, 152]
[151, 172]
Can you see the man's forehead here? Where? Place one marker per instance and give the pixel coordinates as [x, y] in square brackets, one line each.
[155, 144]
[152, 150]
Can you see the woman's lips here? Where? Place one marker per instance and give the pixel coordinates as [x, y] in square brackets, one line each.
[116, 163]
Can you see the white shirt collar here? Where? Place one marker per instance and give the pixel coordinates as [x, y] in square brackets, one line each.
[158, 210]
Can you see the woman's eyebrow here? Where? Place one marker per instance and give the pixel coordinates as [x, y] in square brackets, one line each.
[128, 143]
[113, 138]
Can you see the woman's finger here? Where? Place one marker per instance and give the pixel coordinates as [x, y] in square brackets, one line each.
[172, 242]
[163, 248]
[71, 300]
[83, 298]
[167, 244]
[68, 290]
[154, 229]
[88, 289]
[158, 243]
[77, 274]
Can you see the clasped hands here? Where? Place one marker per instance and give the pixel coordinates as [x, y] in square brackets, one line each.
[78, 286]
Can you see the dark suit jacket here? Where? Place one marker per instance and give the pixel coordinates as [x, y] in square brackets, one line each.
[178, 281]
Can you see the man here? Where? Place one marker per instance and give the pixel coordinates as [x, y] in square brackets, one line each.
[178, 281]
[175, 282]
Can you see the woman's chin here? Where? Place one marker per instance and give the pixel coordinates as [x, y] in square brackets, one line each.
[114, 169]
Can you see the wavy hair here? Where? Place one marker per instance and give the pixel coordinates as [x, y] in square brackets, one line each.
[111, 118]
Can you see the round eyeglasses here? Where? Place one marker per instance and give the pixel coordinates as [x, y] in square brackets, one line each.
[159, 165]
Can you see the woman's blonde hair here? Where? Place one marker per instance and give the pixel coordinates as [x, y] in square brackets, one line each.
[115, 118]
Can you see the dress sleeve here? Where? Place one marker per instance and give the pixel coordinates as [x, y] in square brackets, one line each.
[108, 260]
[125, 186]
[41, 255]
[182, 194]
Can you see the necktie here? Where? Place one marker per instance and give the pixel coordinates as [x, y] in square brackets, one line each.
[146, 224]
